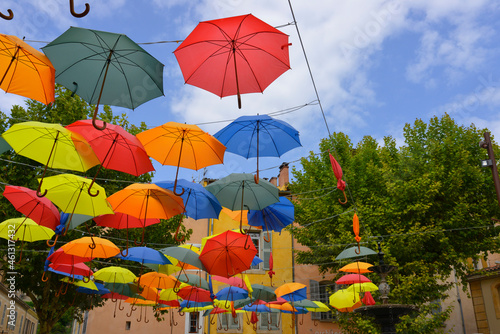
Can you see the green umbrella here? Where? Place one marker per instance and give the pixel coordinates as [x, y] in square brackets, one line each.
[240, 192]
[4, 146]
[105, 68]
[263, 292]
[354, 252]
[194, 280]
[305, 303]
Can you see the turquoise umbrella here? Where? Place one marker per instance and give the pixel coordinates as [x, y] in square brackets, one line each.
[105, 68]
[354, 252]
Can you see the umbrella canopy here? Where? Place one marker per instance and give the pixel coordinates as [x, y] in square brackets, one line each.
[239, 191]
[362, 287]
[105, 68]
[274, 217]
[237, 215]
[232, 293]
[157, 280]
[194, 294]
[344, 301]
[355, 252]
[185, 256]
[25, 70]
[357, 267]
[24, 229]
[51, 145]
[114, 274]
[145, 255]
[258, 136]
[263, 292]
[228, 254]
[59, 256]
[292, 291]
[233, 56]
[80, 269]
[352, 278]
[121, 220]
[234, 281]
[88, 285]
[193, 280]
[91, 247]
[4, 146]
[40, 209]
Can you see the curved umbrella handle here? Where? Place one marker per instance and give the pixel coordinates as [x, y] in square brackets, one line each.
[172, 320]
[38, 193]
[315, 323]
[246, 242]
[345, 198]
[358, 251]
[256, 178]
[94, 123]
[44, 278]
[175, 185]
[301, 321]
[177, 232]
[91, 184]
[211, 320]
[86, 279]
[93, 246]
[128, 315]
[120, 307]
[140, 316]
[145, 316]
[54, 243]
[5, 17]
[181, 313]
[142, 238]
[75, 14]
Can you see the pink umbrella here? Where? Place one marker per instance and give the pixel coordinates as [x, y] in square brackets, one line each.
[353, 278]
[234, 281]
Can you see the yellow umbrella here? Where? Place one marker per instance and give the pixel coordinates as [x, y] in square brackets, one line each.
[88, 285]
[188, 147]
[362, 287]
[357, 267]
[321, 307]
[345, 301]
[114, 274]
[25, 70]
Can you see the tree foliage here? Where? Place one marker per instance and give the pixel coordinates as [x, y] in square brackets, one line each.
[50, 304]
[427, 201]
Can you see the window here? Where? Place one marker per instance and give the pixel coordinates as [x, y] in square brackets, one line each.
[85, 320]
[194, 319]
[127, 325]
[320, 291]
[20, 325]
[227, 322]
[269, 321]
[263, 247]
[3, 316]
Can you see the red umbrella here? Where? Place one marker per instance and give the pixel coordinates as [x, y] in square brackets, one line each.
[60, 257]
[337, 170]
[228, 254]
[233, 56]
[368, 299]
[194, 294]
[39, 209]
[114, 147]
[73, 269]
[353, 278]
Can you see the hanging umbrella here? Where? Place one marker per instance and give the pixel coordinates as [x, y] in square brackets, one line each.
[24, 229]
[115, 148]
[263, 292]
[256, 136]
[193, 280]
[355, 252]
[168, 297]
[337, 170]
[362, 287]
[105, 68]
[157, 280]
[368, 299]
[232, 293]
[228, 254]
[51, 145]
[145, 255]
[352, 278]
[188, 259]
[25, 70]
[91, 247]
[319, 307]
[233, 56]
[188, 147]
[357, 267]
[40, 209]
[234, 281]
[198, 202]
[167, 269]
[194, 294]
[239, 191]
[114, 274]
[72, 270]
[292, 291]
[274, 217]
[4, 146]
[344, 301]
[79, 283]
[237, 215]
[146, 201]
[60, 257]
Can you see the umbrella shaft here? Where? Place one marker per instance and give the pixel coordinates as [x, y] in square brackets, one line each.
[10, 64]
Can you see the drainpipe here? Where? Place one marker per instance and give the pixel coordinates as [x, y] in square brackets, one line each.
[293, 279]
[459, 300]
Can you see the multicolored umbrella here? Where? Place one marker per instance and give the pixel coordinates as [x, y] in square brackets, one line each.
[105, 68]
[258, 136]
[188, 147]
[292, 291]
[25, 70]
[233, 56]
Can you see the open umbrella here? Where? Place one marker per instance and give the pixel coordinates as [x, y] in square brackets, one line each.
[228, 254]
[362, 287]
[188, 147]
[198, 202]
[114, 274]
[292, 291]
[355, 252]
[256, 136]
[193, 280]
[239, 191]
[105, 68]
[114, 147]
[274, 217]
[233, 56]
[357, 267]
[157, 280]
[72, 270]
[25, 71]
[59, 256]
[146, 201]
[352, 278]
[344, 301]
[4, 146]
[145, 255]
[40, 209]
[91, 247]
[51, 145]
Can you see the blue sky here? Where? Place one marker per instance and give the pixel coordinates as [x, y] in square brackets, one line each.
[377, 64]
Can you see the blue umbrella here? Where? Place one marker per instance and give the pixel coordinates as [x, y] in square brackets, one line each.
[261, 135]
[198, 202]
[232, 293]
[273, 217]
[145, 255]
[256, 260]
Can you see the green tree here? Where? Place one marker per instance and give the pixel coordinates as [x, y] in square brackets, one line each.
[428, 202]
[50, 304]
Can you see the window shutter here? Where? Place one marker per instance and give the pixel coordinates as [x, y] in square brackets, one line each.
[314, 289]
[267, 249]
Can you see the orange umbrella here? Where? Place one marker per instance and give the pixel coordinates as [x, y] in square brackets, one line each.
[182, 145]
[158, 281]
[25, 70]
[91, 247]
[237, 215]
[357, 267]
[146, 201]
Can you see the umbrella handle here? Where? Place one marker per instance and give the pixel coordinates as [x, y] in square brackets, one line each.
[140, 316]
[256, 178]
[5, 17]
[85, 279]
[315, 322]
[345, 198]
[177, 232]
[75, 14]
[301, 321]
[92, 183]
[120, 307]
[21, 254]
[38, 193]
[142, 238]
[172, 320]
[93, 246]
[94, 123]
[175, 182]
[131, 310]
[211, 320]
[246, 242]
[145, 317]
[358, 251]
[54, 243]
[44, 278]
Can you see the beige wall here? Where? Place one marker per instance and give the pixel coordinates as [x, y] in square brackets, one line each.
[26, 321]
